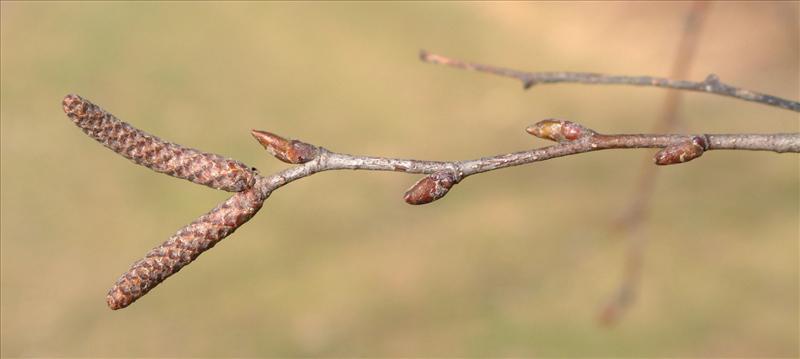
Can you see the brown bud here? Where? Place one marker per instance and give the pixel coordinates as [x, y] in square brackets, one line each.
[681, 153]
[430, 188]
[559, 130]
[289, 151]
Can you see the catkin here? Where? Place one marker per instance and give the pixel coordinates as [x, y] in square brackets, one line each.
[152, 152]
[183, 247]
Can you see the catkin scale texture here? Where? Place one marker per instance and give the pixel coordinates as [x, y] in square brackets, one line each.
[183, 247]
[152, 152]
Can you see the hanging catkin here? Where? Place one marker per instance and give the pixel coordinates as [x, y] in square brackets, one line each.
[152, 152]
[184, 246]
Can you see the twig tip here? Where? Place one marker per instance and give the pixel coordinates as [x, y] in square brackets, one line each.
[423, 54]
[289, 151]
[559, 130]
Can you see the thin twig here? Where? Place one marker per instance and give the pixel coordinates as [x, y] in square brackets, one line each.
[710, 85]
[328, 161]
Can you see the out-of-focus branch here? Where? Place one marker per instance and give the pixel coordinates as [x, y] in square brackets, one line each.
[632, 219]
[206, 231]
[711, 84]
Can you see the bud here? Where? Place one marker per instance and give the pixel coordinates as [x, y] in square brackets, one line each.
[430, 188]
[559, 130]
[681, 153]
[289, 151]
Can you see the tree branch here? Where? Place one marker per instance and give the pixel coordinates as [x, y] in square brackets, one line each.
[710, 85]
[253, 189]
[588, 141]
[330, 161]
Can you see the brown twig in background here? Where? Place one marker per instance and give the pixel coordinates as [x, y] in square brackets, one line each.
[206, 231]
[711, 84]
[632, 219]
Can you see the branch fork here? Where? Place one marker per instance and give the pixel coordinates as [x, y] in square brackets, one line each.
[251, 189]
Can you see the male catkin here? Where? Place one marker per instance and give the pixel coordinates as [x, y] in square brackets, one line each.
[152, 152]
[184, 246]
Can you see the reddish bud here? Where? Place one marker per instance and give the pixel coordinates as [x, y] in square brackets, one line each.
[289, 151]
[559, 130]
[681, 153]
[430, 188]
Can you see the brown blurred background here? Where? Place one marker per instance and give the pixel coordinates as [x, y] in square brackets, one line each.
[512, 263]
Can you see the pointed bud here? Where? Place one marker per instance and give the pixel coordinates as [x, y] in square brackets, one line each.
[681, 153]
[289, 151]
[430, 188]
[559, 130]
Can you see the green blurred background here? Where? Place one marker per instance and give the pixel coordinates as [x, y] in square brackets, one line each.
[512, 263]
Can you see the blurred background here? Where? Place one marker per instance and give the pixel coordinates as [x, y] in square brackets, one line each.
[516, 262]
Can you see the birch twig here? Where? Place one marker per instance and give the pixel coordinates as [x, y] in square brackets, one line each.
[206, 231]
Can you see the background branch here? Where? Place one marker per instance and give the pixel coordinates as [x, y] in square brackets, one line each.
[711, 84]
[631, 221]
